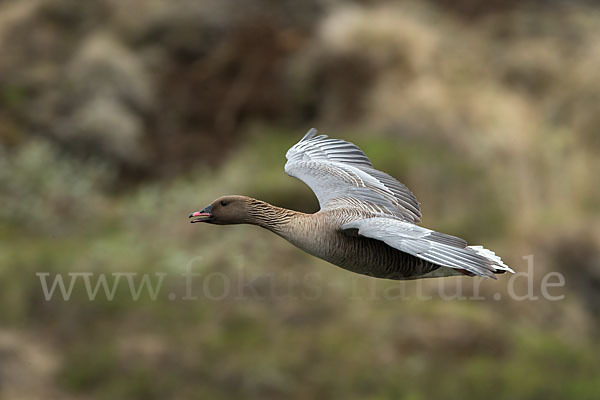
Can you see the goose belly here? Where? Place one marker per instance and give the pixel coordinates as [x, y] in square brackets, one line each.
[367, 256]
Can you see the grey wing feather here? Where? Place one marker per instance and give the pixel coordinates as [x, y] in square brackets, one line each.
[341, 175]
[435, 247]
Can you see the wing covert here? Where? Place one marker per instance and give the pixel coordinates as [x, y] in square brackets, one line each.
[341, 175]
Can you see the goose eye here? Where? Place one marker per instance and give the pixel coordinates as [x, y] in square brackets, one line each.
[223, 203]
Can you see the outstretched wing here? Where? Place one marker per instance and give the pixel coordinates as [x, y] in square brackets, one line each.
[438, 248]
[341, 175]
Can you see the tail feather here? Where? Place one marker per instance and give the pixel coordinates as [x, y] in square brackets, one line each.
[490, 255]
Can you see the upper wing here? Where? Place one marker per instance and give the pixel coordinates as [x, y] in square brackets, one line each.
[438, 248]
[341, 175]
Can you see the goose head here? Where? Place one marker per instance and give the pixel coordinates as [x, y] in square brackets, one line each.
[225, 210]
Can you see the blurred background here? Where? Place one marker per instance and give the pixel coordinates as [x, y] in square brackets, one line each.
[119, 118]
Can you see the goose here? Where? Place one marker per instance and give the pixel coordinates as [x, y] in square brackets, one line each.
[367, 222]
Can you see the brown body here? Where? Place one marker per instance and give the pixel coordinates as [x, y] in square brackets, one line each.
[319, 234]
[352, 252]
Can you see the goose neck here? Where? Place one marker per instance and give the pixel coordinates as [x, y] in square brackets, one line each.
[275, 219]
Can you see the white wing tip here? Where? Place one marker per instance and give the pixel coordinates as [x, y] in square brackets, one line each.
[310, 134]
[490, 255]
